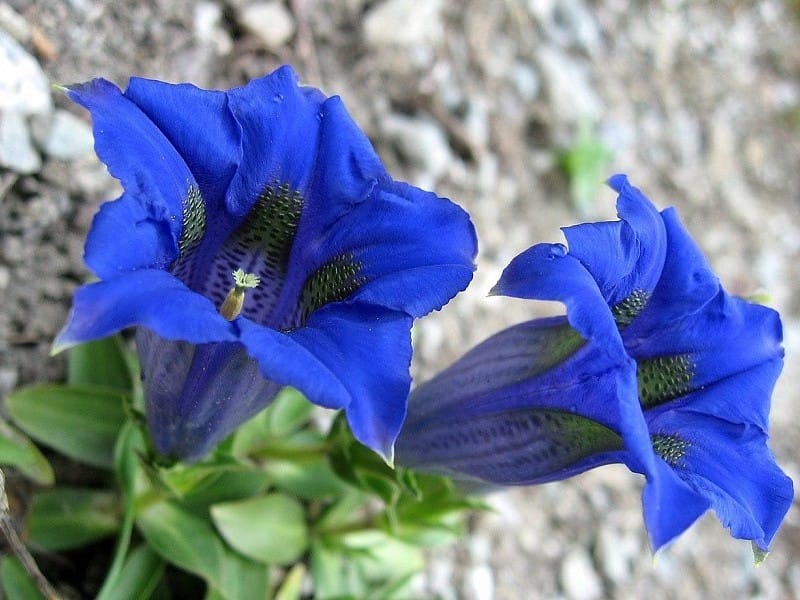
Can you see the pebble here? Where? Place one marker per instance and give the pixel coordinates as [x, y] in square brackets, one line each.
[420, 141]
[579, 580]
[67, 137]
[24, 88]
[16, 147]
[270, 22]
[208, 27]
[479, 583]
[567, 80]
[569, 23]
[404, 23]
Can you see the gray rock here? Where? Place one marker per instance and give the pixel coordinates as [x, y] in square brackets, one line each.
[24, 87]
[421, 142]
[208, 28]
[270, 22]
[568, 23]
[16, 148]
[579, 580]
[569, 86]
[66, 137]
[404, 23]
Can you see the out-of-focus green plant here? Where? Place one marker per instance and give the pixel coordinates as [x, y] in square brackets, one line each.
[585, 162]
[280, 506]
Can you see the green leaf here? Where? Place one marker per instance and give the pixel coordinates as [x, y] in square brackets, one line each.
[285, 415]
[80, 422]
[585, 163]
[67, 518]
[309, 480]
[189, 541]
[16, 583]
[139, 577]
[291, 587]
[270, 528]
[100, 363]
[383, 562]
[20, 452]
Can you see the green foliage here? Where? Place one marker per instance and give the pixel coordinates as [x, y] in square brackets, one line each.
[585, 164]
[15, 582]
[280, 506]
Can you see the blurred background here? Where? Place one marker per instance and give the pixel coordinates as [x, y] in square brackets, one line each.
[515, 109]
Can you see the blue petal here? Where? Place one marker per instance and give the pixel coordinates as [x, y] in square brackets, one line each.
[670, 505]
[142, 228]
[623, 256]
[198, 394]
[516, 447]
[186, 114]
[547, 272]
[750, 501]
[280, 125]
[416, 253]
[354, 357]
[732, 344]
[147, 298]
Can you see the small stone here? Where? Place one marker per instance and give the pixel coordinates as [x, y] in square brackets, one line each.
[421, 142]
[67, 137]
[567, 80]
[16, 148]
[404, 23]
[579, 580]
[479, 583]
[525, 80]
[23, 86]
[208, 28]
[270, 22]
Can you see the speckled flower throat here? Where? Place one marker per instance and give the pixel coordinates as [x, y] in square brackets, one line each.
[261, 245]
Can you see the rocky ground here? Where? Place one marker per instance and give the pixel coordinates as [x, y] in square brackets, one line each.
[699, 101]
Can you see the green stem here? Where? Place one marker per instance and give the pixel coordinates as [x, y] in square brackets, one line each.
[292, 453]
[120, 552]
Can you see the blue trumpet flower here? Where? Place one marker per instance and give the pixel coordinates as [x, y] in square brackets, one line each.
[532, 404]
[259, 243]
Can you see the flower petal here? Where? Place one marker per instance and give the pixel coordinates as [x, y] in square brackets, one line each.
[625, 256]
[186, 114]
[354, 357]
[198, 394]
[416, 253]
[751, 501]
[147, 298]
[280, 125]
[547, 272]
[142, 228]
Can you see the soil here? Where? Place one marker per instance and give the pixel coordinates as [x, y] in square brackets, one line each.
[699, 102]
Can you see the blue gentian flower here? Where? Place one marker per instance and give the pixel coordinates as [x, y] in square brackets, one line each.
[705, 364]
[272, 183]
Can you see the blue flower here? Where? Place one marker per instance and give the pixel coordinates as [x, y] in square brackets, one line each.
[705, 364]
[277, 181]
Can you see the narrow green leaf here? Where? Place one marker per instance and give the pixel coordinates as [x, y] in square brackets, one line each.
[270, 528]
[100, 363]
[139, 577]
[16, 583]
[66, 518]
[81, 422]
[291, 588]
[309, 480]
[20, 452]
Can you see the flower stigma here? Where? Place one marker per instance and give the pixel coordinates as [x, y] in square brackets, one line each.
[234, 301]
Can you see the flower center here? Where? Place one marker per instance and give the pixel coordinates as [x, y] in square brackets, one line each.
[627, 310]
[671, 448]
[232, 306]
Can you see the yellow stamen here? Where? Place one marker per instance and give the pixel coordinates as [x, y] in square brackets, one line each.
[232, 306]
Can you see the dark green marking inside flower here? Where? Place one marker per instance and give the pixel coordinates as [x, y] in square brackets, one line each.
[627, 310]
[524, 444]
[272, 225]
[194, 221]
[664, 378]
[671, 448]
[332, 282]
